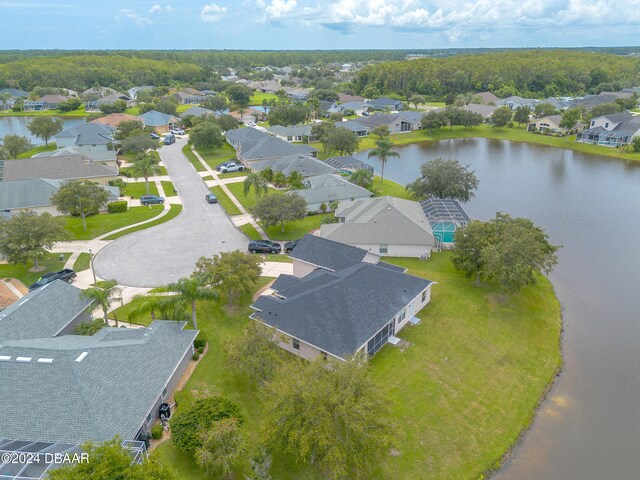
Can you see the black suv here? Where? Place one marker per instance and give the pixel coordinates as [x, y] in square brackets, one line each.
[289, 246]
[264, 246]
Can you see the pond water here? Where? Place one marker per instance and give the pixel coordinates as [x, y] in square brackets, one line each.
[589, 426]
[18, 126]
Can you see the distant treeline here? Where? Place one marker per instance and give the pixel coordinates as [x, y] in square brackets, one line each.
[530, 73]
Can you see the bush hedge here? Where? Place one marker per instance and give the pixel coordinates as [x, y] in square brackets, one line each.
[200, 341]
[156, 431]
[117, 207]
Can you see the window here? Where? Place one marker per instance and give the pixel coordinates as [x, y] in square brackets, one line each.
[384, 248]
[424, 296]
[403, 315]
[148, 418]
[295, 343]
[164, 392]
[289, 138]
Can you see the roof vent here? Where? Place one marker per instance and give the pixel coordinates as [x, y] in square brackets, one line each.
[45, 360]
[82, 356]
[5, 358]
[23, 359]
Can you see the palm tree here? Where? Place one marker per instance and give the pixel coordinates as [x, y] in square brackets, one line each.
[383, 152]
[257, 182]
[147, 304]
[145, 166]
[295, 180]
[102, 295]
[189, 290]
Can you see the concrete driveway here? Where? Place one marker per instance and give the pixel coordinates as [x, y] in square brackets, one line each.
[162, 254]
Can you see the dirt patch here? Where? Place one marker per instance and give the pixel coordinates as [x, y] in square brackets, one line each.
[11, 291]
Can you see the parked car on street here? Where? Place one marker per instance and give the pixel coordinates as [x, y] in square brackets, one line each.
[154, 135]
[151, 200]
[224, 164]
[66, 275]
[264, 246]
[211, 198]
[169, 139]
[289, 246]
[232, 167]
[251, 124]
[177, 131]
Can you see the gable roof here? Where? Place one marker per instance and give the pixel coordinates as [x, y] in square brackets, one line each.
[328, 254]
[57, 168]
[487, 97]
[76, 397]
[377, 119]
[31, 193]
[89, 134]
[53, 98]
[354, 126]
[339, 311]
[14, 92]
[484, 110]
[384, 102]
[305, 165]
[197, 111]
[274, 147]
[115, 119]
[34, 316]
[292, 130]
[330, 187]
[381, 220]
[153, 118]
[343, 97]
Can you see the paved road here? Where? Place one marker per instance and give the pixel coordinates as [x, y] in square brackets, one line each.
[162, 254]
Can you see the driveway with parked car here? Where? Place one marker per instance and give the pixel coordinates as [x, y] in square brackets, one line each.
[164, 253]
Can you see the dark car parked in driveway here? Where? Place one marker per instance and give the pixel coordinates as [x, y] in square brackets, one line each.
[289, 246]
[154, 135]
[264, 246]
[211, 198]
[151, 200]
[66, 275]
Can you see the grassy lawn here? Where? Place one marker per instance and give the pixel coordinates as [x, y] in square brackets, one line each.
[174, 211]
[278, 257]
[167, 186]
[105, 222]
[122, 313]
[250, 200]
[80, 112]
[258, 97]
[197, 164]
[50, 262]
[389, 188]
[39, 149]
[83, 262]
[132, 111]
[296, 230]
[233, 174]
[130, 157]
[461, 393]
[138, 189]
[225, 202]
[217, 156]
[250, 231]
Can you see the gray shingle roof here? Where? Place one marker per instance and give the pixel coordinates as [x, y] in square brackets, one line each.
[274, 147]
[33, 316]
[348, 163]
[57, 168]
[303, 164]
[197, 112]
[330, 187]
[109, 392]
[354, 126]
[89, 134]
[292, 130]
[339, 311]
[153, 118]
[27, 193]
[327, 253]
[484, 110]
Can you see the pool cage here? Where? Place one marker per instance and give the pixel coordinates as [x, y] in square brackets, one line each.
[445, 217]
[600, 136]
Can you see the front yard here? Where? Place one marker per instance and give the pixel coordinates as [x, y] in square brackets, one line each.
[105, 222]
[51, 263]
[461, 393]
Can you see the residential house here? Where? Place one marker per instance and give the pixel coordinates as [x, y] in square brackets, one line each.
[76, 167]
[516, 101]
[445, 216]
[107, 158]
[611, 130]
[13, 95]
[487, 97]
[485, 110]
[383, 225]
[94, 93]
[184, 98]
[46, 102]
[133, 92]
[590, 101]
[348, 164]
[265, 86]
[550, 124]
[358, 107]
[161, 122]
[88, 138]
[297, 93]
[305, 165]
[383, 103]
[343, 306]
[200, 112]
[401, 122]
[344, 98]
[292, 133]
[360, 129]
[252, 144]
[324, 190]
[115, 119]
[96, 105]
[61, 390]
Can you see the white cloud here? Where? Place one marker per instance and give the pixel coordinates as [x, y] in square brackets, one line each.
[278, 8]
[213, 13]
[159, 9]
[133, 17]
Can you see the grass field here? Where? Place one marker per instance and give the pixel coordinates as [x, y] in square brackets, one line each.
[258, 97]
[51, 263]
[233, 174]
[174, 211]
[138, 189]
[127, 170]
[461, 393]
[167, 186]
[39, 149]
[250, 231]
[83, 262]
[78, 113]
[215, 157]
[225, 202]
[105, 222]
[197, 164]
[390, 188]
[296, 230]
[250, 200]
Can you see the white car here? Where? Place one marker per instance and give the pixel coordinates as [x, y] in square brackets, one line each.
[177, 131]
[251, 124]
[232, 167]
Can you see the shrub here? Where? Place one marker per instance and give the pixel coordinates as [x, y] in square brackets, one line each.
[117, 207]
[156, 431]
[200, 341]
[187, 424]
[118, 182]
[196, 357]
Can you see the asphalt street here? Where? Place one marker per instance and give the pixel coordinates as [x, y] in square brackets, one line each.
[164, 253]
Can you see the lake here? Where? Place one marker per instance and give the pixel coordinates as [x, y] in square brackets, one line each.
[589, 426]
[18, 126]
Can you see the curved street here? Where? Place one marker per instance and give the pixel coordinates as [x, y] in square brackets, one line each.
[162, 254]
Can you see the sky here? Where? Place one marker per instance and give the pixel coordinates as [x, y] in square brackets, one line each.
[317, 24]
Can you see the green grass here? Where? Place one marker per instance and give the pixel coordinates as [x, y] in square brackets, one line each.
[80, 112]
[132, 111]
[197, 164]
[233, 174]
[50, 262]
[174, 211]
[224, 201]
[138, 189]
[127, 170]
[39, 149]
[258, 97]
[296, 230]
[83, 262]
[167, 186]
[461, 393]
[390, 188]
[250, 231]
[250, 200]
[278, 257]
[105, 222]
[122, 313]
[216, 156]
[130, 157]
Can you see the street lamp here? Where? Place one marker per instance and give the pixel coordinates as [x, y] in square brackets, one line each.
[95, 281]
